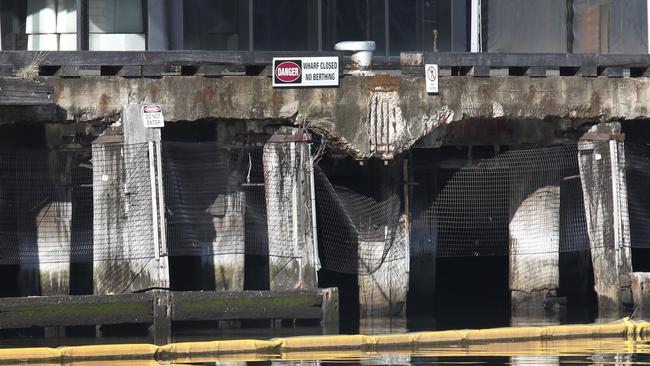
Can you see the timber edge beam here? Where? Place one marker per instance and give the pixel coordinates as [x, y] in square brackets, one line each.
[46, 311]
[624, 330]
[138, 64]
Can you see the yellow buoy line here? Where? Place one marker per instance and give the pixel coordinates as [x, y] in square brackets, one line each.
[279, 348]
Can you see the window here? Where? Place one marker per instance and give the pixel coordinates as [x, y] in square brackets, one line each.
[116, 25]
[285, 25]
[215, 25]
[412, 24]
[608, 26]
[526, 26]
[48, 25]
[354, 20]
[13, 14]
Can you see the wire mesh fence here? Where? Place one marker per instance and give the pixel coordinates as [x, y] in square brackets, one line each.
[214, 199]
[637, 175]
[74, 204]
[355, 231]
[85, 204]
[507, 204]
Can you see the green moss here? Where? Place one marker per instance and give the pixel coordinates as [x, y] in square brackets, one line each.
[38, 314]
[224, 305]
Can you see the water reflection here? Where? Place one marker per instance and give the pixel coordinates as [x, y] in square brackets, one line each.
[596, 351]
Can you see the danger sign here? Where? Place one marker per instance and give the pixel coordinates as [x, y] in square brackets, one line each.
[305, 71]
[431, 76]
[152, 116]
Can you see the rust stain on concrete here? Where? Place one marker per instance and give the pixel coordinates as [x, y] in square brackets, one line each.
[383, 83]
[104, 103]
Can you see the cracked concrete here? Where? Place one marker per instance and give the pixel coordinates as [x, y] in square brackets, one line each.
[371, 116]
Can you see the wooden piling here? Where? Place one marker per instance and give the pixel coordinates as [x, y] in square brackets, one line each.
[227, 268]
[129, 247]
[51, 217]
[602, 163]
[292, 253]
[384, 261]
[383, 290]
[534, 251]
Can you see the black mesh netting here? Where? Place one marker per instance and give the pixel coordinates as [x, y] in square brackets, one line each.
[214, 198]
[96, 204]
[513, 198]
[355, 232]
[74, 204]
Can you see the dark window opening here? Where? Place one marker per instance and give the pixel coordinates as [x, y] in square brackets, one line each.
[215, 25]
[285, 25]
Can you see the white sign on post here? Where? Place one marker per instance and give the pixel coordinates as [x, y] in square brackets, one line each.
[431, 76]
[305, 71]
[152, 116]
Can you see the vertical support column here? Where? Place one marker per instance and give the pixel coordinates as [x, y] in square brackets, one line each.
[48, 204]
[129, 249]
[535, 244]
[602, 164]
[53, 229]
[228, 219]
[289, 212]
[384, 281]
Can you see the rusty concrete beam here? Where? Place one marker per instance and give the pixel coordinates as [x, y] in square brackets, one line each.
[366, 116]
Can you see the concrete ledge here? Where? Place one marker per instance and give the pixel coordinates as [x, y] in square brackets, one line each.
[49, 311]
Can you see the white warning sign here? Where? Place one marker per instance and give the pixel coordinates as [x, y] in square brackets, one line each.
[431, 76]
[152, 116]
[305, 71]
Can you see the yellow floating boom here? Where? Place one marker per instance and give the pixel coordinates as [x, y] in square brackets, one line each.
[624, 329]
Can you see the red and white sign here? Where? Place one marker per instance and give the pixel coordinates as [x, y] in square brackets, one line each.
[431, 76]
[305, 71]
[152, 116]
[288, 72]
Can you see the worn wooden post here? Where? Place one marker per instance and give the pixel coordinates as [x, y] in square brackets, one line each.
[382, 292]
[292, 249]
[51, 275]
[227, 213]
[602, 163]
[384, 261]
[534, 251]
[129, 232]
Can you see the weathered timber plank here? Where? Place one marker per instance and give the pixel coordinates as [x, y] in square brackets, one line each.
[14, 59]
[121, 58]
[75, 310]
[14, 91]
[229, 305]
[37, 113]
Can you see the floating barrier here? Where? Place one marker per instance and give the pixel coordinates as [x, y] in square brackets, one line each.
[291, 347]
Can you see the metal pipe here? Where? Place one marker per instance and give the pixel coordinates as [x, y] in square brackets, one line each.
[317, 264]
[161, 201]
[154, 213]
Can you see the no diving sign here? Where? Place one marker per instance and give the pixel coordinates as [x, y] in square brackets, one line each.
[431, 76]
[152, 116]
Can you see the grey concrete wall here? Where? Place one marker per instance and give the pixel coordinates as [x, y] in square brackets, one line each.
[373, 116]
